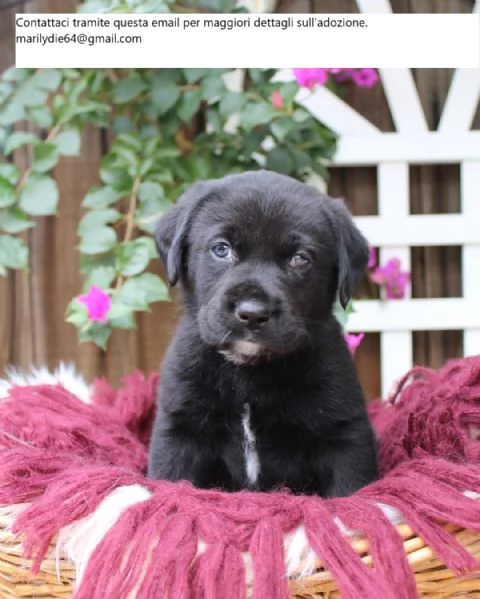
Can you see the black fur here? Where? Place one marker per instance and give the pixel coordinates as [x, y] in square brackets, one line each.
[307, 410]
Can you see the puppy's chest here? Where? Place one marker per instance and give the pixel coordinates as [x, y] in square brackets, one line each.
[263, 447]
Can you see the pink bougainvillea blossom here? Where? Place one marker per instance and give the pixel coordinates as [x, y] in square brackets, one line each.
[277, 100]
[310, 77]
[392, 278]
[97, 302]
[372, 259]
[364, 77]
[353, 341]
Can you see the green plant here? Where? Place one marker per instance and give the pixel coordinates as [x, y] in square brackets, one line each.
[170, 128]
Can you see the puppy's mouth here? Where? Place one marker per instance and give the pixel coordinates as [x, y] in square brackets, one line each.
[244, 352]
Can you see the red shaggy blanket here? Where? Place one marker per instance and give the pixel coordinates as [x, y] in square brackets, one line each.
[64, 457]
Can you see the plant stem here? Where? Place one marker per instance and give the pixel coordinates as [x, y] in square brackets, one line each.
[130, 216]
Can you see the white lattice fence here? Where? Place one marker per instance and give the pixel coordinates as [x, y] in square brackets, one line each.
[394, 230]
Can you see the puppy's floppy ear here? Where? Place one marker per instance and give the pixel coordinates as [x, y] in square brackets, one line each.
[352, 249]
[173, 227]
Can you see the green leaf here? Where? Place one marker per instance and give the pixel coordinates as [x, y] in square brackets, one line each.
[30, 95]
[155, 6]
[45, 157]
[129, 139]
[116, 178]
[88, 263]
[19, 138]
[100, 197]
[39, 196]
[340, 313]
[120, 316]
[68, 142]
[231, 103]
[48, 79]
[256, 114]
[215, 121]
[132, 295]
[302, 160]
[9, 172]
[132, 258]
[300, 115]
[7, 193]
[193, 75]
[71, 73]
[97, 218]
[98, 241]
[149, 212]
[41, 116]
[164, 96]
[102, 277]
[127, 155]
[11, 113]
[167, 152]
[280, 128]
[14, 221]
[149, 191]
[76, 314]
[189, 104]
[280, 160]
[211, 87]
[288, 90]
[96, 332]
[122, 124]
[199, 165]
[128, 89]
[152, 285]
[16, 75]
[13, 253]
[5, 91]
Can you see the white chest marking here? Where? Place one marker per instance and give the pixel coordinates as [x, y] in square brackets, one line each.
[252, 462]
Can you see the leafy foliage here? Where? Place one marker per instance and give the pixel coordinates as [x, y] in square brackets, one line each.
[171, 127]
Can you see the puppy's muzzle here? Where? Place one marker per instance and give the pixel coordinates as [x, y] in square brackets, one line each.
[252, 314]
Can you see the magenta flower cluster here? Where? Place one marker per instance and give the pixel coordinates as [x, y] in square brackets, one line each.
[98, 304]
[310, 77]
[391, 277]
[353, 341]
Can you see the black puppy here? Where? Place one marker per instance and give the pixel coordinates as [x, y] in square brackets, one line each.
[258, 388]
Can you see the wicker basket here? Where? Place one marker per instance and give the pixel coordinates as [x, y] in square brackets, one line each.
[57, 576]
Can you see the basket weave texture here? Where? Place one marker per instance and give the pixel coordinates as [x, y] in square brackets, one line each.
[414, 533]
[433, 579]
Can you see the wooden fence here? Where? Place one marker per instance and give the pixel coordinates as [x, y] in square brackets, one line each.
[32, 305]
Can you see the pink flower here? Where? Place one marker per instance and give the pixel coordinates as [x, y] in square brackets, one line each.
[353, 341]
[372, 259]
[97, 302]
[364, 77]
[277, 100]
[309, 77]
[392, 278]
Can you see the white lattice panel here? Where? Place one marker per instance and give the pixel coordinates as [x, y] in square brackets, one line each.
[394, 230]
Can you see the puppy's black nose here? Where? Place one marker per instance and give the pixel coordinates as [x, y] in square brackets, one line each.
[252, 313]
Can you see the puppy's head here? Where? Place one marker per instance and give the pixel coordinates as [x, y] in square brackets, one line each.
[260, 258]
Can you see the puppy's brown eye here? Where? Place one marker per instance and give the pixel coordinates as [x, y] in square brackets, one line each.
[299, 260]
[222, 250]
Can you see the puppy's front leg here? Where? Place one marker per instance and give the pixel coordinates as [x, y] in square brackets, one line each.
[352, 464]
[175, 457]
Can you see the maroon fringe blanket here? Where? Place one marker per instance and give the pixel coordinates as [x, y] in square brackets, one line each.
[63, 457]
